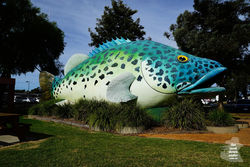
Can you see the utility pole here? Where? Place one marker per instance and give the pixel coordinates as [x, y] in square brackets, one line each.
[28, 82]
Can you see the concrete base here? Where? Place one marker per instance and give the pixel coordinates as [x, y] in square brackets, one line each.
[242, 124]
[222, 130]
[130, 130]
[9, 139]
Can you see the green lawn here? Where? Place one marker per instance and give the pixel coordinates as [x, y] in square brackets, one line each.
[71, 146]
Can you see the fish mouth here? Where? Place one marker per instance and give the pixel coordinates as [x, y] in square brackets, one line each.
[199, 86]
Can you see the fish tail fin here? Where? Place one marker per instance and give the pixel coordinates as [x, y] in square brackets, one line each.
[46, 79]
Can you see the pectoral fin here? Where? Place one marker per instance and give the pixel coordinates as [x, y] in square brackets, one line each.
[119, 88]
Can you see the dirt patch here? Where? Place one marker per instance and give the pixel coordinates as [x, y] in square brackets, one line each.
[203, 136]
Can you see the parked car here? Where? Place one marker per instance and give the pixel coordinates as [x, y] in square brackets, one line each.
[242, 105]
[26, 100]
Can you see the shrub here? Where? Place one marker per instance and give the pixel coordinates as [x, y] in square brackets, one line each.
[133, 116]
[104, 115]
[187, 114]
[63, 111]
[219, 117]
[43, 108]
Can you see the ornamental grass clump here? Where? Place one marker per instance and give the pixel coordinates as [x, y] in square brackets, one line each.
[219, 117]
[98, 114]
[187, 114]
[44, 108]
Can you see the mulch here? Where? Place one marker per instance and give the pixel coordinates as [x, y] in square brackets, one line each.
[201, 136]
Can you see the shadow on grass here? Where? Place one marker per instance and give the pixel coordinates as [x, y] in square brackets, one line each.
[29, 136]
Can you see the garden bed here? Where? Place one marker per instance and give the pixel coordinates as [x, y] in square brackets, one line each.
[202, 136]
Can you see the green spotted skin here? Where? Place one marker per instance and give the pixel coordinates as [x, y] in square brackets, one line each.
[153, 62]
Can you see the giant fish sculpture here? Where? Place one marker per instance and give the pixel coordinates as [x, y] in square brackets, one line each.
[122, 70]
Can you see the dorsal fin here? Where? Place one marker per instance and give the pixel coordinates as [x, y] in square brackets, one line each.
[73, 61]
[107, 45]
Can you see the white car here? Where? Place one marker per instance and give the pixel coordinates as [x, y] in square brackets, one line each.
[26, 99]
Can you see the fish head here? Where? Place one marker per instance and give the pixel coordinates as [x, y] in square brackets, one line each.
[174, 71]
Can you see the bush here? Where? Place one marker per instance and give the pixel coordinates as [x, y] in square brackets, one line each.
[64, 111]
[219, 117]
[43, 108]
[187, 114]
[104, 115]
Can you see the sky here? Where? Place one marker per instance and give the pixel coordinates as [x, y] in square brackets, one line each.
[74, 17]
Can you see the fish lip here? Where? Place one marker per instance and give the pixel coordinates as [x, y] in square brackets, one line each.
[203, 79]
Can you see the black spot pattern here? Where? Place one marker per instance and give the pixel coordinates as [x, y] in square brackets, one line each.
[139, 78]
[106, 54]
[137, 69]
[158, 64]
[101, 76]
[173, 70]
[95, 82]
[114, 65]
[149, 62]
[117, 55]
[160, 72]
[164, 86]
[94, 67]
[181, 74]
[93, 75]
[110, 73]
[85, 86]
[189, 72]
[81, 75]
[134, 62]
[74, 83]
[99, 71]
[173, 76]
[196, 77]
[170, 60]
[153, 58]
[158, 52]
[107, 83]
[167, 79]
[160, 79]
[134, 50]
[130, 58]
[122, 66]
[142, 54]
[106, 68]
[167, 65]
[151, 70]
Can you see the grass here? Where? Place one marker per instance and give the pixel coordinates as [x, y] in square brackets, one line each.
[72, 146]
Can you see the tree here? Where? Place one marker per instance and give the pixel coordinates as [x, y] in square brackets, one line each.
[216, 29]
[28, 40]
[116, 22]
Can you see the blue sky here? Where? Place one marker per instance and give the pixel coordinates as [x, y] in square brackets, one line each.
[74, 17]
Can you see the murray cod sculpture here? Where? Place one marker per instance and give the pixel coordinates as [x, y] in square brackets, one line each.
[123, 70]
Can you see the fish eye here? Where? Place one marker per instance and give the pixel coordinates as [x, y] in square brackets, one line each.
[182, 58]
